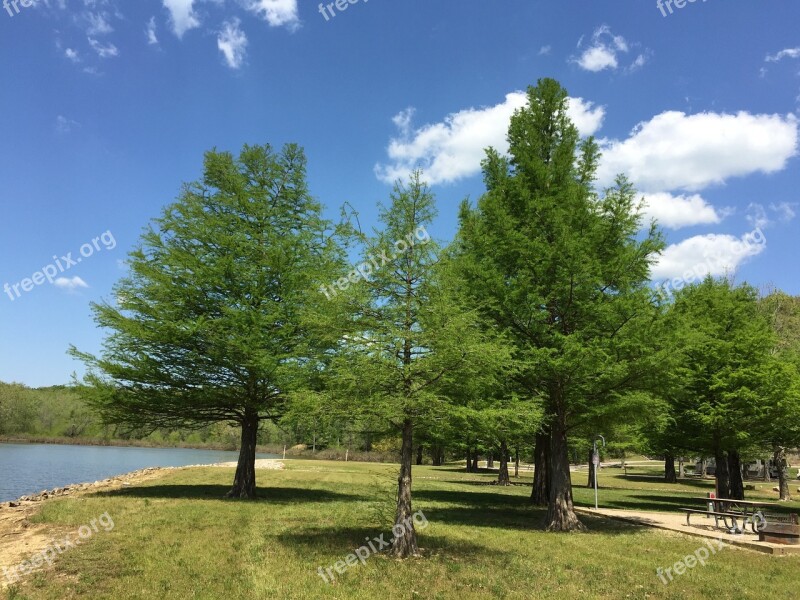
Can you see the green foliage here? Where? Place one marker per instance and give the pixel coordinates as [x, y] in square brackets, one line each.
[217, 320]
[562, 271]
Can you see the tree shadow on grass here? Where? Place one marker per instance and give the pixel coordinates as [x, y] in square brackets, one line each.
[274, 495]
[473, 498]
[335, 543]
[707, 484]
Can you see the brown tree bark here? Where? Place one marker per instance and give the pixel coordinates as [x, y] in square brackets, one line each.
[540, 494]
[669, 469]
[490, 461]
[502, 478]
[516, 463]
[735, 475]
[244, 481]
[419, 454]
[404, 542]
[783, 472]
[723, 479]
[560, 510]
[590, 483]
[475, 457]
[469, 460]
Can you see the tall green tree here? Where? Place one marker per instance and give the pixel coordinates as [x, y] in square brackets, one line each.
[565, 273]
[218, 319]
[412, 346]
[782, 419]
[725, 373]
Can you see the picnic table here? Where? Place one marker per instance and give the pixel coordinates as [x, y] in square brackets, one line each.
[733, 513]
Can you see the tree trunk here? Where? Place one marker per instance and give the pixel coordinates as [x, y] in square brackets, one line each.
[765, 475]
[516, 463]
[590, 483]
[560, 510]
[244, 482]
[404, 542]
[469, 460]
[703, 467]
[723, 479]
[681, 465]
[475, 461]
[540, 494]
[669, 469]
[419, 454]
[502, 478]
[735, 475]
[783, 472]
[490, 461]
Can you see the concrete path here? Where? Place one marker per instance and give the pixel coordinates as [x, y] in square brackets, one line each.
[700, 527]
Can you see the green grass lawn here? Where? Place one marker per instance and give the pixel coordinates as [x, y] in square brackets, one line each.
[176, 538]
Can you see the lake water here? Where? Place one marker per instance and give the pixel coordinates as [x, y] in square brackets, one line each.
[30, 468]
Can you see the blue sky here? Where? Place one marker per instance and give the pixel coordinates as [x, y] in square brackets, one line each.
[106, 107]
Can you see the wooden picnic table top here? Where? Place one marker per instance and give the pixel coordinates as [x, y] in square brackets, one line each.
[732, 501]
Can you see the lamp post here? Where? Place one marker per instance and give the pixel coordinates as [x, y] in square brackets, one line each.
[596, 463]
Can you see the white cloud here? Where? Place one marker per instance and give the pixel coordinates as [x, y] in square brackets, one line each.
[65, 125]
[759, 216]
[690, 152]
[788, 53]
[675, 212]
[275, 12]
[785, 211]
[70, 283]
[453, 148]
[545, 50]
[107, 51]
[72, 55]
[152, 38]
[97, 24]
[604, 52]
[711, 254]
[182, 15]
[232, 42]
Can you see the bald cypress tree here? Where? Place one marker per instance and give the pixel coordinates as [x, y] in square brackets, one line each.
[218, 319]
[564, 272]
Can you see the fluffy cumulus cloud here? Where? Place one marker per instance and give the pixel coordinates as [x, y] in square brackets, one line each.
[232, 42]
[70, 283]
[711, 254]
[182, 16]
[275, 12]
[605, 51]
[675, 212]
[453, 148]
[676, 151]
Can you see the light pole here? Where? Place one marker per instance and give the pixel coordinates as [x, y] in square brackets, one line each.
[596, 463]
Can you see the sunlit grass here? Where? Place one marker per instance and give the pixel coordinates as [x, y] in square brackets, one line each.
[177, 538]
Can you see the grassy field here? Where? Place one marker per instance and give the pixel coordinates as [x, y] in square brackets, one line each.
[176, 538]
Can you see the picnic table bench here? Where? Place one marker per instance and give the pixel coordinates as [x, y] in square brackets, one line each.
[732, 513]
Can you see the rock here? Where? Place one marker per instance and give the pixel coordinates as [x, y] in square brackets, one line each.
[776, 489]
[13, 504]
